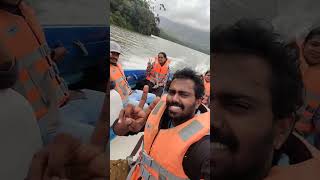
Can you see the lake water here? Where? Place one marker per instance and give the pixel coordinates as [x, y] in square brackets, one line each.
[137, 49]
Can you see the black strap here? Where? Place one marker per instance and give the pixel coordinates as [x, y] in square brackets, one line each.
[136, 148]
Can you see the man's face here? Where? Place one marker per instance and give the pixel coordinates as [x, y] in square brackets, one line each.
[311, 50]
[161, 59]
[207, 77]
[181, 100]
[114, 57]
[243, 131]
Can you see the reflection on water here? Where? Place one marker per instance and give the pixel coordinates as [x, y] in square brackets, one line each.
[137, 49]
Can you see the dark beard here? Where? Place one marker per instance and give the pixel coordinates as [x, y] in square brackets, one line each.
[251, 175]
[256, 170]
[179, 120]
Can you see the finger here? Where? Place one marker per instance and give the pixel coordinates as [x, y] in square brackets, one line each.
[132, 128]
[137, 110]
[135, 127]
[128, 110]
[152, 105]
[62, 151]
[85, 153]
[98, 166]
[144, 96]
[128, 121]
[38, 165]
[121, 116]
[140, 114]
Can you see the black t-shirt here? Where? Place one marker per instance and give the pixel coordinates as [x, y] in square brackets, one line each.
[196, 162]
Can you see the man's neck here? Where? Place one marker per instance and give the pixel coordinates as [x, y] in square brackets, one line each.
[177, 122]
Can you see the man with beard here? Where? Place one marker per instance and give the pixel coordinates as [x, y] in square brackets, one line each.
[117, 75]
[257, 93]
[176, 131]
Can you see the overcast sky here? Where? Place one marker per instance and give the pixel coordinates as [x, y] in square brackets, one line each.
[195, 13]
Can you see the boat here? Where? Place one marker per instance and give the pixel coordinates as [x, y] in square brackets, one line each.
[121, 147]
[87, 47]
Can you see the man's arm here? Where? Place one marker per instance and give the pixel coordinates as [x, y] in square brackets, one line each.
[196, 163]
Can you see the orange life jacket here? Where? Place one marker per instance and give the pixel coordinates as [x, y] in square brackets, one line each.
[312, 108]
[38, 79]
[121, 84]
[164, 149]
[206, 87]
[309, 170]
[158, 73]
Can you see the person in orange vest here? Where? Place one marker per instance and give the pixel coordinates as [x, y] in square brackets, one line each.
[309, 123]
[37, 76]
[19, 126]
[257, 95]
[117, 75]
[158, 73]
[20, 129]
[176, 128]
[206, 82]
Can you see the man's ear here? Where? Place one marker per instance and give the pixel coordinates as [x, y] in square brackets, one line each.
[282, 129]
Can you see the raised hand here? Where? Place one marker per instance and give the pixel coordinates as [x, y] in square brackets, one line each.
[133, 118]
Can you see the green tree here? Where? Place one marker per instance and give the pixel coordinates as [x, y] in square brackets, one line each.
[134, 15]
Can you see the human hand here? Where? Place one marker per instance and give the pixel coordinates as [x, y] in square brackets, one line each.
[66, 159]
[133, 118]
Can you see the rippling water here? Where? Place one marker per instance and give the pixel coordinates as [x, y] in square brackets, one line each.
[137, 49]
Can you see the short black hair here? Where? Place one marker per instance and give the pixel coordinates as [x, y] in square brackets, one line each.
[314, 32]
[188, 73]
[254, 37]
[164, 54]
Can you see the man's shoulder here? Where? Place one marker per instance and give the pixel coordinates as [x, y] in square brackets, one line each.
[196, 157]
[199, 150]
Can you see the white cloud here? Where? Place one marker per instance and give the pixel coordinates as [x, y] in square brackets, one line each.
[195, 13]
